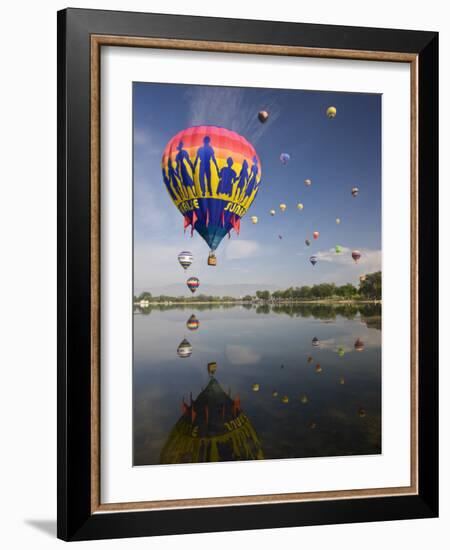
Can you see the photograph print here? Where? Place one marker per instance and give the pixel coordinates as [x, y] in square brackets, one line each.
[257, 274]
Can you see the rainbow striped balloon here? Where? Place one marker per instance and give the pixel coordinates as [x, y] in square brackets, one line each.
[212, 176]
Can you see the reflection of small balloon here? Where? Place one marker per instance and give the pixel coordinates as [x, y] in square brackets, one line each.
[310, 359]
[192, 323]
[184, 349]
[274, 393]
[185, 258]
[263, 116]
[254, 219]
[308, 182]
[272, 212]
[300, 206]
[316, 235]
[307, 242]
[341, 381]
[255, 387]
[285, 399]
[331, 111]
[285, 158]
[355, 191]
[341, 351]
[356, 255]
[315, 341]
[212, 367]
[361, 412]
[359, 345]
[318, 368]
[304, 398]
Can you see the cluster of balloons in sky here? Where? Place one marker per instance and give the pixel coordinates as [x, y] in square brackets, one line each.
[213, 176]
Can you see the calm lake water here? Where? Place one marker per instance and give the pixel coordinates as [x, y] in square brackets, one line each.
[256, 382]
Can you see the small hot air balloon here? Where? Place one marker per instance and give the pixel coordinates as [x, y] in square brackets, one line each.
[193, 283]
[304, 398]
[341, 381]
[313, 260]
[212, 367]
[263, 116]
[318, 368]
[255, 387]
[272, 212]
[316, 235]
[338, 249]
[308, 182]
[356, 255]
[283, 207]
[185, 258]
[359, 345]
[285, 158]
[315, 341]
[192, 323]
[307, 242]
[341, 351]
[280, 236]
[338, 221]
[331, 111]
[355, 191]
[361, 412]
[285, 399]
[274, 393]
[184, 349]
[254, 220]
[310, 359]
[300, 206]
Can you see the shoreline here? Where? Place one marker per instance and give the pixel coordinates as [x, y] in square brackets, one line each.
[265, 302]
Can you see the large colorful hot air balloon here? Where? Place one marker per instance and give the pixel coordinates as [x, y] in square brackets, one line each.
[313, 260]
[185, 258]
[285, 158]
[193, 283]
[212, 176]
[356, 255]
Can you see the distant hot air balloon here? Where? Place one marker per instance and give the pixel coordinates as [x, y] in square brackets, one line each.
[310, 359]
[255, 387]
[285, 158]
[316, 235]
[263, 116]
[359, 345]
[272, 212]
[274, 393]
[280, 236]
[192, 323]
[308, 182]
[285, 399]
[307, 242]
[212, 176]
[361, 412]
[356, 255]
[313, 260]
[318, 368]
[193, 283]
[185, 258]
[300, 206]
[315, 341]
[338, 220]
[184, 349]
[338, 249]
[341, 351]
[283, 207]
[304, 398]
[355, 191]
[212, 368]
[331, 111]
[254, 219]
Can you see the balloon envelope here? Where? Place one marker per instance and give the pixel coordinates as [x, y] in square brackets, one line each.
[193, 283]
[184, 349]
[308, 182]
[272, 212]
[313, 260]
[338, 249]
[356, 255]
[283, 207]
[212, 176]
[300, 206]
[285, 158]
[307, 242]
[355, 191]
[192, 323]
[316, 234]
[263, 116]
[331, 111]
[254, 219]
[185, 258]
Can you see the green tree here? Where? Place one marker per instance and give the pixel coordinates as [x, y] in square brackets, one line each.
[370, 286]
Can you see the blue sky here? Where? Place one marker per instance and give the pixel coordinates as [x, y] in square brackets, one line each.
[335, 154]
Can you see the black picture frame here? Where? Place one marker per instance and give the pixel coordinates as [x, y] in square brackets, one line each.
[75, 518]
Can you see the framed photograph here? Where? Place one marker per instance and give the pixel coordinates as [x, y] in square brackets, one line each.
[248, 295]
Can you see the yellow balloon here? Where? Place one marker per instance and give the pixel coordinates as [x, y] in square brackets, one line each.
[283, 207]
[255, 387]
[331, 111]
[285, 399]
[300, 206]
[254, 219]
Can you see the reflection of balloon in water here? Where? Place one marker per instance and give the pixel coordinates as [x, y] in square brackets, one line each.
[300, 206]
[272, 212]
[318, 368]
[283, 207]
[285, 399]
[212, 428]
[312, 425]
[255, 387]
[338, 220]
[263, 116]
[193, 283]
[254, 219]
[307, 242]
[361, 412]
[359, 345]
[355, 191]
[356, 255]
[274, 393]
[212, 176]
[313, 260]
[192, 323]
[341, 351]
[184, 349]
[212, 368]
[316, 235]
[185, 258]
[315, 341]
[308, 182]
[331, 111]
[338, 249]
[310, 359]
[304, 398]
[341, 381]
[285, 158]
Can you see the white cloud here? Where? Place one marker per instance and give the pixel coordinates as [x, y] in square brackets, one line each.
[241, 355]
[239, 248]
[370, 259]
